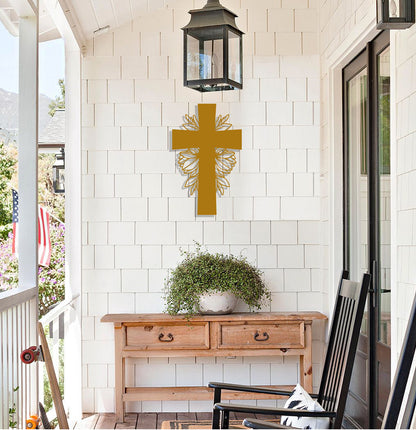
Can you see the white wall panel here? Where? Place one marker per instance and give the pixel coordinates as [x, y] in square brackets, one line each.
[140, 216]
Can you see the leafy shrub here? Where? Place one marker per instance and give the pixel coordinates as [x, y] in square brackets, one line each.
[8, 161]
[8, 265]
[201, 272]
[52, 278]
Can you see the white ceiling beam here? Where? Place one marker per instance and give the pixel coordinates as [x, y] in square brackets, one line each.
[24, 7]
[65, 19]
[11, 25]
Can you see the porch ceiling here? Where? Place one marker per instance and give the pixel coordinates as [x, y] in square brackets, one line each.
[9, 16]
[84, 16]
[94, 14]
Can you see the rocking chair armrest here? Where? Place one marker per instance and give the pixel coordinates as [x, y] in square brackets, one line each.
[261, 424]
[252, 389]
[230, 407]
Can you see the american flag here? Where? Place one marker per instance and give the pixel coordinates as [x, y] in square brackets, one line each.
[44, 239]
[15, 220]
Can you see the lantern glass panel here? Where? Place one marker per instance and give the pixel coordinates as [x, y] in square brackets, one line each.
[394, 8]
[193, 65]
[205, 53]
[234, 57]
[212, 59]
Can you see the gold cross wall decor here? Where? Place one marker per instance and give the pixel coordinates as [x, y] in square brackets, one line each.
[207, 158]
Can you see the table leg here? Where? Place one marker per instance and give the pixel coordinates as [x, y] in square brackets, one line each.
[120, 380]
[306, 361]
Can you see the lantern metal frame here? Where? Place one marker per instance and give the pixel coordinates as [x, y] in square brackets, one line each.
[405, 18]
[213, 17]
[59, 164]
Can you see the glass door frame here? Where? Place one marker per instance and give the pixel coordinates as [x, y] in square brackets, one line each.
[367, 59]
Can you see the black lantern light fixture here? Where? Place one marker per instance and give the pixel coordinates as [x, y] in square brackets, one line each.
[213, 49]
[59, 173]
[395, 14]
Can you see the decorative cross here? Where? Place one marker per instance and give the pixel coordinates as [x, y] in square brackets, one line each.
[207, 158]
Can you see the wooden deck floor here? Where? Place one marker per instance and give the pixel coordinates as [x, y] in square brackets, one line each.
[146, 420]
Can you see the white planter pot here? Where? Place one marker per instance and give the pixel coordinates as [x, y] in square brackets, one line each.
[217, 303]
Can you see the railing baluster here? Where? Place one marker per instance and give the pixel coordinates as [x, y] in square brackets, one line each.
[4, 369]
[15, 361]
[2, 423]
[28, 342]
[9, 355]
[25, 345]
[18, 331]
[33, 384]
[19, 350]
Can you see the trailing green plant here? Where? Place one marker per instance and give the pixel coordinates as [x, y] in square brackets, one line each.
[12, 412]
[201, 272]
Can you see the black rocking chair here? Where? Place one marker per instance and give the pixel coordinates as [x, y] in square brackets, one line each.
[400, 411]
[339, 360]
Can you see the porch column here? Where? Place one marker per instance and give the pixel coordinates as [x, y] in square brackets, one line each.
[74, 41]
[28, 152]
[28, 173]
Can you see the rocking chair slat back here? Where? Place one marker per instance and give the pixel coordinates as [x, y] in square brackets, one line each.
[339, 360]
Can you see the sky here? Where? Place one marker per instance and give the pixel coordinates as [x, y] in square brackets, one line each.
[51, 64]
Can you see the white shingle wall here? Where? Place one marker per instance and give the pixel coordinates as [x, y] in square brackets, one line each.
[337, 21]
[405, 62]
[137, 215]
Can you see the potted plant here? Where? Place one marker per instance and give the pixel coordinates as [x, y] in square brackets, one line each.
[202, 277]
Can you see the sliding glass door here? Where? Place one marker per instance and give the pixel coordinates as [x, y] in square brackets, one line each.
[367, 227]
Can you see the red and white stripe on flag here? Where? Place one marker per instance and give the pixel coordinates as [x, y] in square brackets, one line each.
[44, 238]
[14, 241]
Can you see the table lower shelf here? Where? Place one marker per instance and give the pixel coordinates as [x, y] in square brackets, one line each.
[196, 393]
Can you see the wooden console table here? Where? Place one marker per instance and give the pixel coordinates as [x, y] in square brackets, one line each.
[242, 334]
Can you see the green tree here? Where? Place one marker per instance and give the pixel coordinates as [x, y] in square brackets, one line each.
[59, 102]
[8, 161]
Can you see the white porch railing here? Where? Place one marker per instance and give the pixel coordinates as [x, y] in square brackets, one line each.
[18, 381]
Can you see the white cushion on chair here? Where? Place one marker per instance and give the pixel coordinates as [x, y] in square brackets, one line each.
[300, 399]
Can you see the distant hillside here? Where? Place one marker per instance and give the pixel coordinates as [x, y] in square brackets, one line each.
[9, 106]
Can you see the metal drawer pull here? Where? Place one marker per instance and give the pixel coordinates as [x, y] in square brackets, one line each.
[169, 337]
[265, 337]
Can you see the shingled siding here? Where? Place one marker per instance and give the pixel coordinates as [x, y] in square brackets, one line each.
[137, 215]
[345, 27]
[405, 158]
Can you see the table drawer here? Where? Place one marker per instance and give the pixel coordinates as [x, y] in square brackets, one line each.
[159, 337]
[261, 336]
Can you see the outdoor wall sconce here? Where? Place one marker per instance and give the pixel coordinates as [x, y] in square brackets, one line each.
[213, 49]
[395, 14]
[59, 173]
